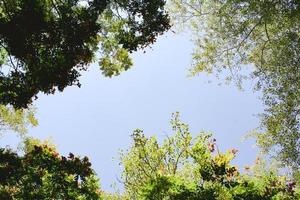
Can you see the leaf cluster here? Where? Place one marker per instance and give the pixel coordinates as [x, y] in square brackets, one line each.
[45, 44]
[41, 173]
[183, 167]
[16, 120]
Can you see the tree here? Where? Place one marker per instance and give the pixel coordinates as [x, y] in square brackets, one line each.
[232, 35]
[183, 167]
[16, 120]
[41, 173]
[146, 159]
[45, 44]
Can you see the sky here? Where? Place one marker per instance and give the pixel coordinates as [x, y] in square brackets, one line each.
[97, 119]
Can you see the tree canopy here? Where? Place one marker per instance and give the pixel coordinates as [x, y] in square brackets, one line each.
[45, 44]
[41, 173]
[179, 167]
[16, 120]
[183, 167]
[232, 35]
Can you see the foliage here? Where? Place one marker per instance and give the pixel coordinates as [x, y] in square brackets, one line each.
[41, 173]
[16, 120]
[45, 44]
[146, 159]
[183, 167]
[232, 35]
[114, 196]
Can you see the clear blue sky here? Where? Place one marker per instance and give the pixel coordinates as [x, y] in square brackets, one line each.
[97, 119]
